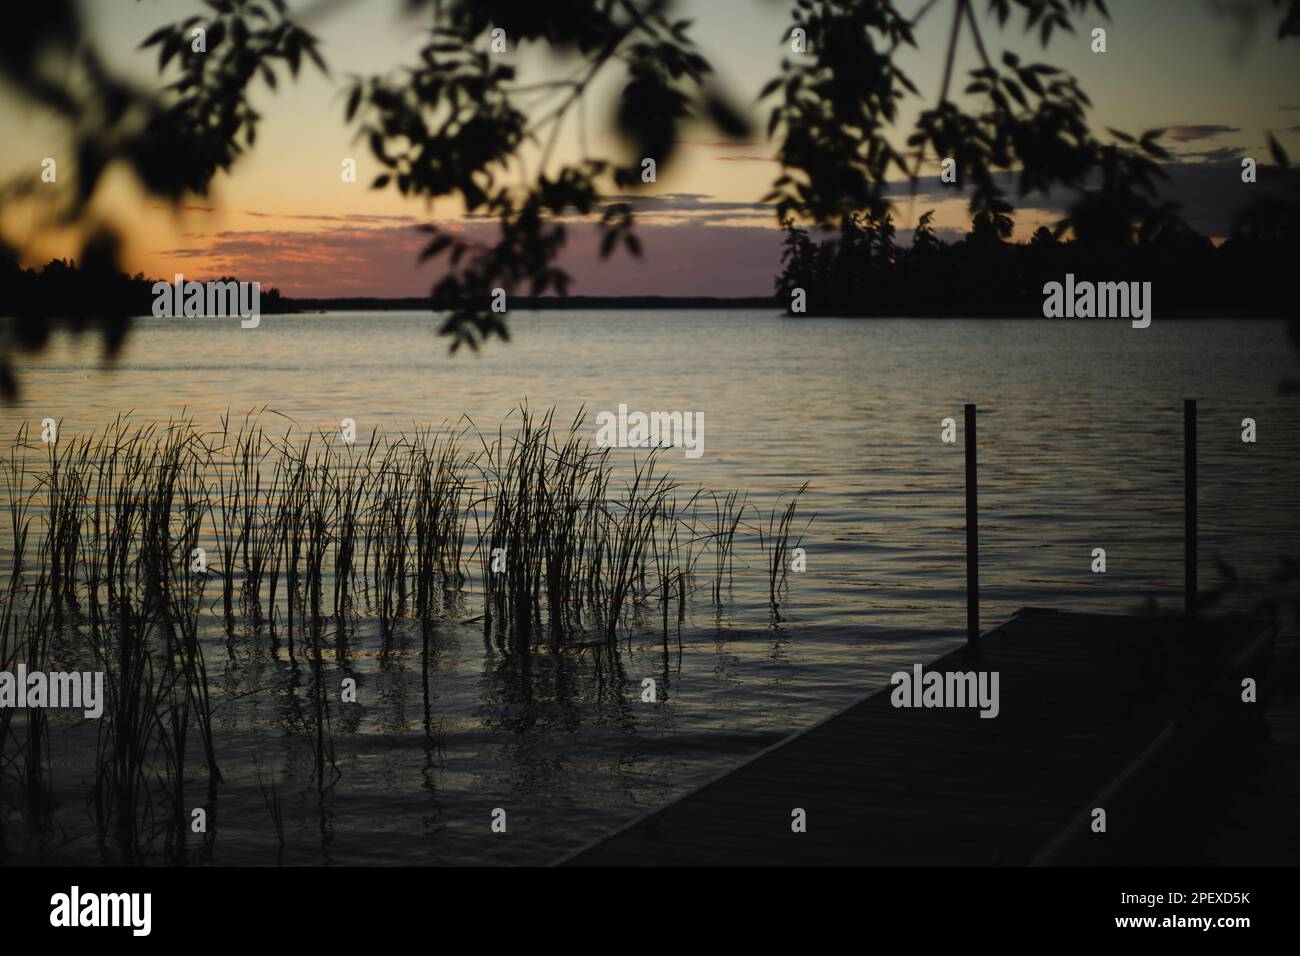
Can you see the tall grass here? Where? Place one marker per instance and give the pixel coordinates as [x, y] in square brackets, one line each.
[775, 539]
[305, 537]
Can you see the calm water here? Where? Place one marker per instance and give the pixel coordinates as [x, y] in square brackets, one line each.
[1080, 447]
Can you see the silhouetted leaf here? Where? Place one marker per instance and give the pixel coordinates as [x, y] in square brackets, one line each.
[727, 118]
[1279, 154]
[156, 37]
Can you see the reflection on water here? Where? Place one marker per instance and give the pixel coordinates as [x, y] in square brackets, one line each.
[1080, 447]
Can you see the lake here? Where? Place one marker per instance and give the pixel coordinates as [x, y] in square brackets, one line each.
[1080, 447]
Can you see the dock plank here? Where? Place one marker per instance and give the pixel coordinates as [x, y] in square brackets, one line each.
[1081, 697]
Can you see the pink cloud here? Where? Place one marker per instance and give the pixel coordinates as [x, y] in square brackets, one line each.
[679, 259]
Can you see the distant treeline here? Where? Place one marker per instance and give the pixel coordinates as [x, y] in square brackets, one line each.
[549, 303]
[864, 272]
[61, 290]
[82, 297]
[861, 272]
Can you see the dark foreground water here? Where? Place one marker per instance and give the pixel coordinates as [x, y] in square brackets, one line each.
[1080, 448]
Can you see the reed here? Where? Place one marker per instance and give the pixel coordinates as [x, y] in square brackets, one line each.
[563, 546]
[777, 546]
[275, 807]
[728, 514]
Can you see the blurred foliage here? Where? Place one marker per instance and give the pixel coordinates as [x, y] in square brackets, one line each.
[839, 105]
[455, 123]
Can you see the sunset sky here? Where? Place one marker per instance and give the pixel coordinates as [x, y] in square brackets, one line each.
[284, 217]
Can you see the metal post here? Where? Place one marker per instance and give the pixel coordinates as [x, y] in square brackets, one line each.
[972, 539]
[1189, 507]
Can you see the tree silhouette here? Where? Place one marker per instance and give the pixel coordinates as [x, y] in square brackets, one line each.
[454, 123]
[860, 271]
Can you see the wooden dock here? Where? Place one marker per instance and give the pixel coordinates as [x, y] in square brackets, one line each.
[1260, 825]
[1088, 705]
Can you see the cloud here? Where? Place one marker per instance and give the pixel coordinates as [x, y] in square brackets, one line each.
[183, 208]
[688, 259]
[745, 146]
[1187, 134]
[714, 144]
[696, 207]
[690, 203]
[317, 217]
[674, 207]
[1220, 154]
[309, 217]
[182, 252]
